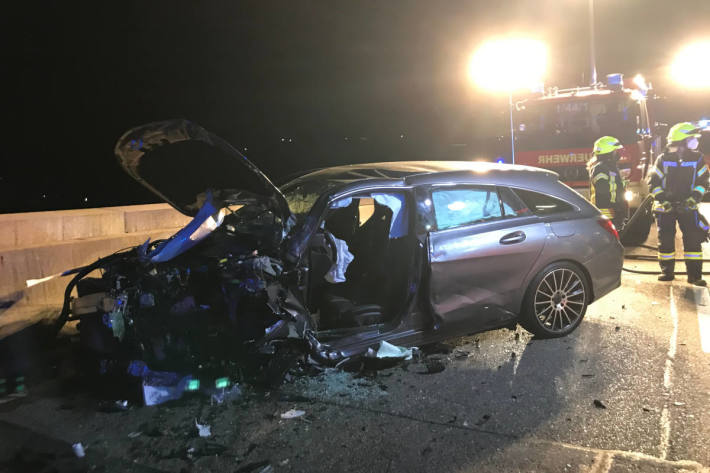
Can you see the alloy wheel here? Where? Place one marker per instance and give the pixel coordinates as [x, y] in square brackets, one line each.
[559, 300]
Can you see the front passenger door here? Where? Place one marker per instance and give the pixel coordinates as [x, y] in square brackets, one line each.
[481, 251]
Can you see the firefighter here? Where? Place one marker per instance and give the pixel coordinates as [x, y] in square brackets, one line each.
[606, 188]
[678, 182]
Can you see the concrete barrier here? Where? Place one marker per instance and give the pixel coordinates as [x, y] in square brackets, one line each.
[35, 245]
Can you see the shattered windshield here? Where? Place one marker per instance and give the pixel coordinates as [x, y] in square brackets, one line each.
[301, 194]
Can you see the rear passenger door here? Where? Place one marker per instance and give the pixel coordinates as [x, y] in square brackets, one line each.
[482, 247]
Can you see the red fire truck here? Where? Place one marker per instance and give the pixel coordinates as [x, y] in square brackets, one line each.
[556, 130]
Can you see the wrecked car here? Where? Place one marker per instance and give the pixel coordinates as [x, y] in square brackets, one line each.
[335, 261]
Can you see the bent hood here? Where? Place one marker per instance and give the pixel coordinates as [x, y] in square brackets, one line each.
[180, 162]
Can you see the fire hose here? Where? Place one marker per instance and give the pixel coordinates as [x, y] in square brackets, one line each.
[644, 212]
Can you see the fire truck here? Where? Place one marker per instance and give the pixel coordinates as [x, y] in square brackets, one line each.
[556, 129]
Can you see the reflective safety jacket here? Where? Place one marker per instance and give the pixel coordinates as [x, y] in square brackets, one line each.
[673, 179]
[606, 189]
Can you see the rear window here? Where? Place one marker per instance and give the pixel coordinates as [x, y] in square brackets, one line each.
[541, 204]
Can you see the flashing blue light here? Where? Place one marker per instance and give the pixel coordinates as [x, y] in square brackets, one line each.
[615, 79]
[704, 123]
[500, 160]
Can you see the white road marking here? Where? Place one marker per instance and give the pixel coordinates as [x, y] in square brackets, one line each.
[667, 380]
[603, 462]
[702, 303]
[607, 457]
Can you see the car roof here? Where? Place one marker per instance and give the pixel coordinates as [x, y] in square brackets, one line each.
[425, 172]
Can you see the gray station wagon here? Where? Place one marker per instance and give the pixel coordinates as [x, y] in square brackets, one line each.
[337, 260]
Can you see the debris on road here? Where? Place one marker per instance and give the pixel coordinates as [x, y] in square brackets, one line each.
[679, 403]
[460, 354]
[292, 414]
[78, 450]
[203, 430]
[598, 404]
[258, 467]
[483, 420]
[433, 366]
[134, 435]
[389, 351]
[332, 385]
[220, 396]
[114, 406]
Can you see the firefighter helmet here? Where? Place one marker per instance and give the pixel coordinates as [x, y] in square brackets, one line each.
[682, 131]
[605, 145]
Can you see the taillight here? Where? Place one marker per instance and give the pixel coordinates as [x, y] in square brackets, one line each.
[606, 224]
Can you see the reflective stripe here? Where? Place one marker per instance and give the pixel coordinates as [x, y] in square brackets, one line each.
[609, 213]
[670, 164]
[658, 207]
[612, 188]
[658, 172]
[666, 255]
[702, 171]
[694, 255]
[689, 164]
[657, 191]
[700, 189]
[599, 176]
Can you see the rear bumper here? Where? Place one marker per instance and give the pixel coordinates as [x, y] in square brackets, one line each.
[605, 270]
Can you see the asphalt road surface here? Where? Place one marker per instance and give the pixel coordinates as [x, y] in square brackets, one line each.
[629, 391]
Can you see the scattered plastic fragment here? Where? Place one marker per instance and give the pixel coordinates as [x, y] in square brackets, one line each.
[193, 385]
[160, 387]
[598, 404]
[220, 396]
[387, 350]
[203, 430]
[292, 414]
[134, 435]
[679, 403]
[78, 450]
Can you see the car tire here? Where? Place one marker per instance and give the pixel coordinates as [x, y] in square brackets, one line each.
[556, 301]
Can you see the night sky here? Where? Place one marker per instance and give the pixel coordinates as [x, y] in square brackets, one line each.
[390, 76]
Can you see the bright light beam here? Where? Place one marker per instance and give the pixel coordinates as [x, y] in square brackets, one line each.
[507, 65]
[691, 66]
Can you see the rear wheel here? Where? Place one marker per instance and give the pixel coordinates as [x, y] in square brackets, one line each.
[556, 301]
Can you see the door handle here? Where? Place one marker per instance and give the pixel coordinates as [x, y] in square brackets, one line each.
[512, 238]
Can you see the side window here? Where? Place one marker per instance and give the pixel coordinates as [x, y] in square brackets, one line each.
[461, 206]
[541, 204]
[512, 205]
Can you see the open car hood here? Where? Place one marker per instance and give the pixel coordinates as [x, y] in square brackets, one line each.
[180, 161]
